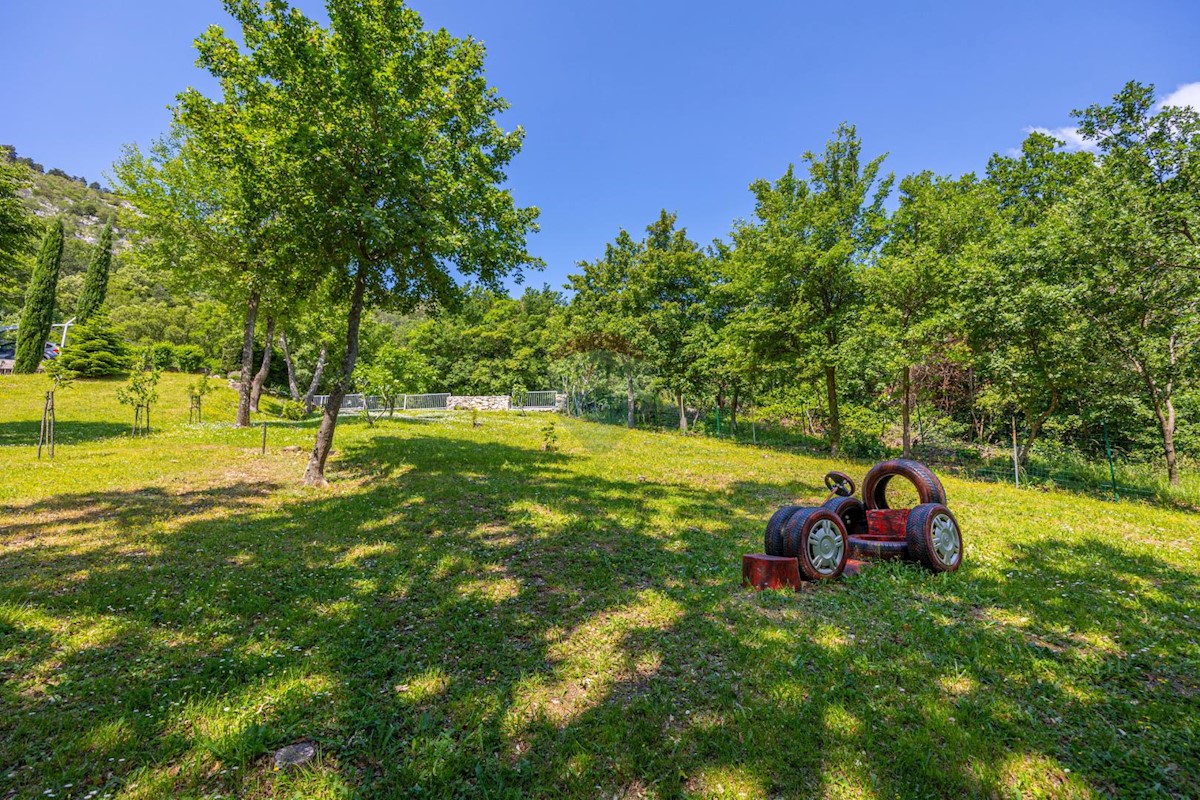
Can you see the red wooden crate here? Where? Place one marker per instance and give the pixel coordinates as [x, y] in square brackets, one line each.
[886, 523]
[770, 572]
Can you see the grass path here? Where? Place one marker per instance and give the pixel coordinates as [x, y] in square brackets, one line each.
[463, 615]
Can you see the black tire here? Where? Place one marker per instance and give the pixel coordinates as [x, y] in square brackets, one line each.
[852, 511]
[874, 488]
[934, 538]
[772, 540]
[817, 539]
[877, 549]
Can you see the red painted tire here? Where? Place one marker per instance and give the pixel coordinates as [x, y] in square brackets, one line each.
[877, 549]
[772, 540]
[874, 488]
[817, 539]
[852, 511]
[934, 538]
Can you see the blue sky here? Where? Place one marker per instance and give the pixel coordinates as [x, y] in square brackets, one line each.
[635, 106]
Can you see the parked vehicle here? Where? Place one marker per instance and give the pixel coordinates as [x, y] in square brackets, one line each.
[8, 349]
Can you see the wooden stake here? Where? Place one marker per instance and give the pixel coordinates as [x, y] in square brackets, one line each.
[42, 432]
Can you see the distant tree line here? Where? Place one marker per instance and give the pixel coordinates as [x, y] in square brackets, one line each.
[306, 229]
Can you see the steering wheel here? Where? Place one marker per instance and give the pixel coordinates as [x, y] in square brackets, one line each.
[840, 484]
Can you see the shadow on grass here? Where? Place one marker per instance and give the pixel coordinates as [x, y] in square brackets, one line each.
[483, 619]
[25, 433]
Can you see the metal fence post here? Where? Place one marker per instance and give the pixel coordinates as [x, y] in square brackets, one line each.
[1112, 470]
[1016, 461]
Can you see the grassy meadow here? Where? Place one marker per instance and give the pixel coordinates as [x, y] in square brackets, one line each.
[462, 614]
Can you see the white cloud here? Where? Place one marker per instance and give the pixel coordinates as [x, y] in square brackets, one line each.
[1071, 136]
[1186, 95]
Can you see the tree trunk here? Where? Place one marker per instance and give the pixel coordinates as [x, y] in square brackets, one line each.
[1035, 427]
[906, 410]
[1165, 411]
[314, 475]
[293, 387]
[261, 377]
[1168, 429]
[630, 420]
[682, 413]
[733, 409]
[243, 412]
[835, 422]
[316, 379]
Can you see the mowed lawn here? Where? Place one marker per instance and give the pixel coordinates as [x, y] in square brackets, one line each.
[464, 615]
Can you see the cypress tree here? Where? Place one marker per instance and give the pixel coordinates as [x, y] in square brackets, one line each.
[38, 315]
[95, 283]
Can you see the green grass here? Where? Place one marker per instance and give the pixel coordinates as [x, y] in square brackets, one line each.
[464, 615]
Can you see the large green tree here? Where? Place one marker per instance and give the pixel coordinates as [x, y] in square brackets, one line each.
[799, 261]
[395, 162]
[1028, 342]
[607, 313]
[673, 280]
[16, 223]
[95, 282]
[490, 342]
[205, 225]
[38, 315]
[940, 226]
[1129, 237]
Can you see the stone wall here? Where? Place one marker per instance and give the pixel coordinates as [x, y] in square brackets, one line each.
[484, 403]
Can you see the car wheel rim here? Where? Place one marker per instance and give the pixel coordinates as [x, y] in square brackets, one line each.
[947, 544]
[825, 547]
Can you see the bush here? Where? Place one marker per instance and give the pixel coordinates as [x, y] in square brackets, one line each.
[292, 409]
[189, 357]
[95, 350]
[162, 355]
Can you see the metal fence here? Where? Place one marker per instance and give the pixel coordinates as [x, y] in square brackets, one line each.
[423, 402]
[536, 401]
[357, 403]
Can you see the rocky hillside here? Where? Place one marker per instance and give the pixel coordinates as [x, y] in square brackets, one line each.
[84, 208]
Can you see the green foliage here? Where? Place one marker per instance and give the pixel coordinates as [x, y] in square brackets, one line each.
[189, 357]
[796, 267]
[550, 435]
[394, 371]
[38, 314]
[95, 349]
[60, 377]
[292, 409]
[95, 283]
[141, 392]
[490, 343]
[1128, 239]
[644, 303]
[161, 356]
[16, 223]
[200, 387]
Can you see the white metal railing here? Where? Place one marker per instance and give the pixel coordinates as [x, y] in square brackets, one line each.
[356, 403]
[420, 402]
[537, 400]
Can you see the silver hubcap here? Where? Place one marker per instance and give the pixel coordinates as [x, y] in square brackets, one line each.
[947, 544]
[825, 547]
